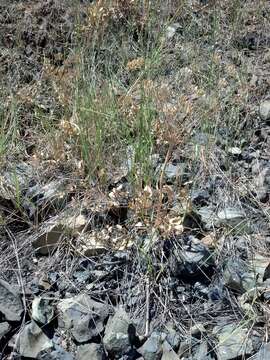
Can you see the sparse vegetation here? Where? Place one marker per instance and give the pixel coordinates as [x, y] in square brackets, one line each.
[141, 119]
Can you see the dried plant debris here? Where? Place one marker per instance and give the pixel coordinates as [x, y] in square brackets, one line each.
[134, 179]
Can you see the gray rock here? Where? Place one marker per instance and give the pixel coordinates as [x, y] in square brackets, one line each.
[173, 338]
[173, 172]
[230, 216]
[186, 347]
[47, 242]
[83, 316]
[263, 353]
[31, 341]
[199, 197]
[265, 110]
[262, 182]
[259, 266]
[168, 353]
[234, 151]
[14, 180]
[236, 275]
[40, 197]
[55, 229]
[4, 329]
[58, 354]
[201, 352]
[152, 348]
[266, 289]
[10, 302]
[201, 138]
[191, 259]
[15, 183]
[91, 351]
[82, 276]
[244, 276]
[197, 330]
[116, 339]
[42, 310]
[233, 342]
[262, 194]
[48, 236]
[92, 244]
[208, 216]
[171, 30]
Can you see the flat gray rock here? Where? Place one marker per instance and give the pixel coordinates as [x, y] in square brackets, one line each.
[48, 237]
[42, 310]
[53, 230]
[230, 215]
[4, 329]
[263, 353]
[245, 275]
[10, 302]
[265, 110]
[173, 338]
[237, 275]
[171, 30]
[31, 341]
[90, 351]
[208, 216]
[172, 171]
[57, 354]
[168, 352]
[116, 339]
[14, 180]
[152, 348]
[201, 352]
[233, 342]
[82, 316]
[191, 259]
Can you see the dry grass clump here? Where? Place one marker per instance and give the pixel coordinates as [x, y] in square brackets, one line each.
[102, 13]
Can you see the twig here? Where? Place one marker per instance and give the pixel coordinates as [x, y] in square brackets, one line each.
[147, 307]
[160, 182]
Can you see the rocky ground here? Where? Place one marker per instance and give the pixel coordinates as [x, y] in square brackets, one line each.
[140, 231]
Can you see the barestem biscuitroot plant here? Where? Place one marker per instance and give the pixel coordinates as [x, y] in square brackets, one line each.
[105, 132]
